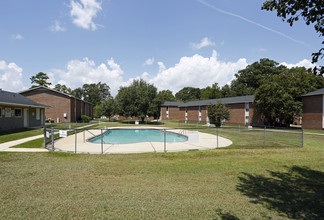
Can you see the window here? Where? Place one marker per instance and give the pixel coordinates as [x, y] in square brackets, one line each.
[247, 107]
[37, 114]
[18, 112]
[7, 112]
[199, 118]
[247, 118]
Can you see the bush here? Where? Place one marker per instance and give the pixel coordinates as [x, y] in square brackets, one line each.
[85, 118]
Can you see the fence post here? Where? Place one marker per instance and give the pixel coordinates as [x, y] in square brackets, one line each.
[264, 138]
[217, 136]
[302, 138]
[101, 143]
[52, 133]
[164, 141]
[45, 136]
[75, 143]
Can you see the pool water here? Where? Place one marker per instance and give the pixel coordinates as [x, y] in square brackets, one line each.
[127, 136]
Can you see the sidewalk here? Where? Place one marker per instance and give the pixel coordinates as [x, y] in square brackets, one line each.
[6, 146]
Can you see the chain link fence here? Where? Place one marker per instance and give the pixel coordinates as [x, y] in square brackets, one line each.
[189, 138]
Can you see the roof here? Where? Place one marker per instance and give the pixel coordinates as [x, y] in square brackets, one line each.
[11, 98]
[53, 90]
[229, 100]
[316, 92]
[173, 104]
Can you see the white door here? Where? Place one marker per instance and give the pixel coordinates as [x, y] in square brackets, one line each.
[26, 117]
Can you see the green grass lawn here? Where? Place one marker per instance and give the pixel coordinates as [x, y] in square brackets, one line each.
[16, 134]
[286, 183]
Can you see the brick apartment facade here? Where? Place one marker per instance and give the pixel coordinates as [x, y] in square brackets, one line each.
[240, 108]
[313, 110]
[65, 108]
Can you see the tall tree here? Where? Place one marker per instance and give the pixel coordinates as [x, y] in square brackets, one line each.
[40, 79]
[78, 92]
[136, 99]
[188, 94]
[95, 93]
[161, 97]
[279, 97]
[108, 108]
[212, 92]
[312, 12]
[62, 88]
[249, 79]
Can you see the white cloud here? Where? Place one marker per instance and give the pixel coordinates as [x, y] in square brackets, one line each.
[84, 12]
[11, 77]
[148, 62]
[303, 63]
[17, 37]
[56, 27]
[196, 71]
[86, 71]
[261, 50]
[205, 42]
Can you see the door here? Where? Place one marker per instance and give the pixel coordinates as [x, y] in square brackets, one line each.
[26, 117]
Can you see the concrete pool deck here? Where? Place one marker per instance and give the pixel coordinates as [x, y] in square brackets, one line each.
[202, 142]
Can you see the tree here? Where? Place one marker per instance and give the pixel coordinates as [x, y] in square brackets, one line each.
[40, 79]
[78, 93]
[188, 94]
[279, 97]
[212, 92]
[62, 88]
[95, 93]
[108, 108]
[312, 11]
[161, 97]
[136, 99]
[249, 79]
[217, 113]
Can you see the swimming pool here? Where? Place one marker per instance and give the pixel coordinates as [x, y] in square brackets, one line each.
[127, 136]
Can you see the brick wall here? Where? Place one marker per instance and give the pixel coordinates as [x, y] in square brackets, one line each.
[237, 113]
[313, 112]
[60, 103]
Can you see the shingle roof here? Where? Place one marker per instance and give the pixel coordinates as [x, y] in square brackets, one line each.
[316, 92]
[53, 90]
[229, 100]
[175, 104]
[11, 98]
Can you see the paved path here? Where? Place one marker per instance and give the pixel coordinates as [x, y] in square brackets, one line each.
[6, 146]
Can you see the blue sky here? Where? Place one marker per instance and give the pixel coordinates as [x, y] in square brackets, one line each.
[170, 43]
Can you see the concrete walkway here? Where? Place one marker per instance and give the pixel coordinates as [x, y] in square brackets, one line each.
[6, 146]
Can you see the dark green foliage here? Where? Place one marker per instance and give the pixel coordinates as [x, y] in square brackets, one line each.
[78, 92]
[188, 94]
[108, 108]
[218, 112]
[249, 79]
[137, 99]
[85, 118]
[95, 93]
[40, 79]
[312, 12]
[279, 96]
[213, 92]
[63, 89]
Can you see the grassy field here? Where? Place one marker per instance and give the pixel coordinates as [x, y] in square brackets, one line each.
[282, 183]
[16, 134]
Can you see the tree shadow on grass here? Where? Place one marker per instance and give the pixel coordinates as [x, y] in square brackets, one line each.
[221, 215]
[297, 193]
